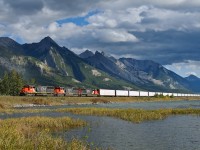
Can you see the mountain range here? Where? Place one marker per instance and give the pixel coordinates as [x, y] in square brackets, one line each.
[50, 64]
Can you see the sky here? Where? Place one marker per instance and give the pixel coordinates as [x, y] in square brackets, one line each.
[165, 31]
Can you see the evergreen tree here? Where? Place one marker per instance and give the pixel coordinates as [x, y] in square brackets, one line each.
[5, 84]
[11, 83]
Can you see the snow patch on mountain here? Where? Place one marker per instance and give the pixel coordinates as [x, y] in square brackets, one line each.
[120, 65]
[157, 82]
[96, 72]
[106, 79]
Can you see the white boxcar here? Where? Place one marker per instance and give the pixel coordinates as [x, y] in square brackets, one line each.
[106, 92]
[179, 94]
[175, 94]
[134, 93]
[165, 94]
[170, 94]
[152, 93]
[121, 93]
[143, 93]
[158, 93]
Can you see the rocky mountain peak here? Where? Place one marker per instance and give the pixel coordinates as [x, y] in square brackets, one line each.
[48, 41]
[192, 78]
[7, 42]
[86, 54]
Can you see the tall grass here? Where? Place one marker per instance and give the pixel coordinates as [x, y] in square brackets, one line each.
[11, 111]
[35, 133]
[133, 115]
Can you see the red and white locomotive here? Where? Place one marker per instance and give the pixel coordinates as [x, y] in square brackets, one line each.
[30, 90]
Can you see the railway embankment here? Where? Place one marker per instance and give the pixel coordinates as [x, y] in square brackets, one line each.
[30, 101]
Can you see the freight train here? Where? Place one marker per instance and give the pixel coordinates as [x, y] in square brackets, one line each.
[30, 90]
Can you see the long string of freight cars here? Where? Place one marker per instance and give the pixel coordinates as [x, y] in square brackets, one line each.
[61, 91]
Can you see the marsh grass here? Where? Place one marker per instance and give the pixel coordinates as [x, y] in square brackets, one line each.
[36, 133]
[37, 101]
[133, 115]
[12, 110]
[99, 100]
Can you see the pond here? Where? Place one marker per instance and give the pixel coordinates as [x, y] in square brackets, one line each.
[175, 132]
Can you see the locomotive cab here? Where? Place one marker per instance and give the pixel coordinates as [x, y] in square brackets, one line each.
[59, 91]
[28, 90]
[96, 92]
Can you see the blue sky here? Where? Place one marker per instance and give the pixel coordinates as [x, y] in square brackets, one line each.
[167, 32]
[78, 20]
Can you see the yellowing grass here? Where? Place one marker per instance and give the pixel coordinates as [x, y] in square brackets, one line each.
[133, 115]
[11, 111]
[35, 133]
[44, 123]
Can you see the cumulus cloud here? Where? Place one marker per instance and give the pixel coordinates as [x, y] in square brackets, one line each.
[191, 73]
[24, 7]
[108, 35]
[187, 68]
[163, 31]
[146, 17]
[175, 4]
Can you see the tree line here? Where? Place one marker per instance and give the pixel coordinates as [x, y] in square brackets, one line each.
[11, 83]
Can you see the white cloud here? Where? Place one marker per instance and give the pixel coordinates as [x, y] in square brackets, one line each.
[186, 68]
[111, 28]
[108, 35]
[117, 18]
[175, 4]
[112, 24]
[146, 17]
[191, 73]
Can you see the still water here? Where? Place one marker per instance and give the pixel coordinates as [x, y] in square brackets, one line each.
[139, 105]
[181, 132]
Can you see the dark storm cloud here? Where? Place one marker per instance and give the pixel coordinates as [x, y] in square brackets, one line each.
[150, 20]
[166, 47]
[24, 7]
[73, 7]
[29, 7]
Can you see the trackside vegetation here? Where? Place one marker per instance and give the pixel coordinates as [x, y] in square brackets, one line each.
[36, 133]
[11, 83]
[133, 115]
[11, 101]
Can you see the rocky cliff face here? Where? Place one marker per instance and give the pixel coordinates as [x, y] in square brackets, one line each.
[143, 73]
[51, 64]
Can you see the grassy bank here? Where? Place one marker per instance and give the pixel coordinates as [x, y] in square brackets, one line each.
[133, 115]
[12, 110]
[10, 101]
[36, 133]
